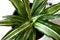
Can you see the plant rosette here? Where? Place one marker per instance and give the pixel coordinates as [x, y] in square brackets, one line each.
[29, 20]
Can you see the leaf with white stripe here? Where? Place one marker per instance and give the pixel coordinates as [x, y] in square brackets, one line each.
[48, 30]
[16, 31]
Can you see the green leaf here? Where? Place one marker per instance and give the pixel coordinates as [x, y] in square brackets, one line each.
[20, 8]
[33, 35]
[16, 31]
[52, 9]
[25, 35]
[35, 5]
[50, 16]
[27, 6]
[18, 36]
[49, 29]
[14, 38]
[40, 8]
[14, 18]
[6, 23]
[10, 23]
[51, 25]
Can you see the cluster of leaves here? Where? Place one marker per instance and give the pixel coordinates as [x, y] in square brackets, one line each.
[24, 24]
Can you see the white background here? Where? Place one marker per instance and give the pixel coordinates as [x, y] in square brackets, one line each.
[6, 8]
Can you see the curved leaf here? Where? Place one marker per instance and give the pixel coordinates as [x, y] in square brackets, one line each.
[20, 35]
[16, 31]
[49, 29]
[20, 8]
[14, 18]
[40, 8]
[35, 5]
[52, 9]
[25, 35]
[8, 23]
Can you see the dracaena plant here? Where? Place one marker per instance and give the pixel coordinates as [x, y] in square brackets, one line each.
[24, 24]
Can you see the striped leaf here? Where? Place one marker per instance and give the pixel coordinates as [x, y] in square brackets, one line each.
[8, 23]
[49, 29]
[27, 7]
[40, 8]
[50, 16]
[16, 31]
[33, 35]
[35, 5]
[20, 8]
[20, 35]
[25, 35]
[52, 9]
[14, 18]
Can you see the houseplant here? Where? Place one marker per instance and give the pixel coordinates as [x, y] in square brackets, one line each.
[28, 20]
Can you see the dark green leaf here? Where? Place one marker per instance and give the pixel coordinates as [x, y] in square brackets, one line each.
[25, 35]
[27, 6]
[40, 8]
[35, 5]
[17, 37]
[20, 8]
[50, 16]
[33, 35]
